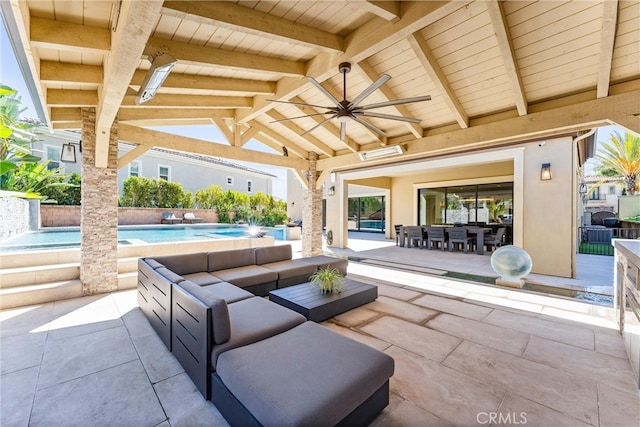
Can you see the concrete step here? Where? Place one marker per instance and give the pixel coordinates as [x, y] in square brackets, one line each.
[127, 280]
[19, 296]
[127, 265]
[36, 275]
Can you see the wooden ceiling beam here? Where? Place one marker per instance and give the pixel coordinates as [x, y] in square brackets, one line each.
[438, 78]
[365, 70]
[607, 41]
[226, 132]
[292, 147]
[239, 18]
[50, 33]
[320, 146]
[210, 56]
[133, 154]
[499, 22]
[135, 24]
[138, 135]
[134, 113]
[65, 114]
[244, 87]
[59, 72]
[72, 98]
[190, 101]
[387, 10]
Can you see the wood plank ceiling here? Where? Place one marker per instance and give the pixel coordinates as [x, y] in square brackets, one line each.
[497, 71]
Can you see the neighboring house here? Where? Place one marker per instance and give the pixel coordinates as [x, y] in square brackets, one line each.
[602, 193]
[193, 171]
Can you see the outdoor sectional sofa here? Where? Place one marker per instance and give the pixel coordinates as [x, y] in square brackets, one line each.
[261, 363]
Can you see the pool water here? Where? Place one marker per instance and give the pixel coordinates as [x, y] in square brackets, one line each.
[69, 237]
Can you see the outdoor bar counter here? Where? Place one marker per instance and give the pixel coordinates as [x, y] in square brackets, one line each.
[627, 298]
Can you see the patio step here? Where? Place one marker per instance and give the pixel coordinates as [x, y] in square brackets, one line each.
[19, 296]
[40, 274]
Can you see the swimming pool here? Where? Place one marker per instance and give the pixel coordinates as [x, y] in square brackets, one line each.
[69, 237]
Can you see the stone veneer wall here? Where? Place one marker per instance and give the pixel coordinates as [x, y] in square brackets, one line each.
[99, 217]
[67, 216]
[312, 213]
[14, 215]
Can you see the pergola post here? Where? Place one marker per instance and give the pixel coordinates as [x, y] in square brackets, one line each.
[99, 211]
[312, 213]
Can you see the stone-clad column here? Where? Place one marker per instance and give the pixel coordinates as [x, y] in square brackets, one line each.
[99, 212]
[312, 213]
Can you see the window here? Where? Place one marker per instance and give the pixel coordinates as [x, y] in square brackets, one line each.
[249, 186]
[134, 169]
[53, 155]
[163, 173]
[612, 189]
[229, 180]
[595, 193]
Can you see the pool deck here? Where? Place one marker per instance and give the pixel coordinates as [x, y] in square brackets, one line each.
[462, 352]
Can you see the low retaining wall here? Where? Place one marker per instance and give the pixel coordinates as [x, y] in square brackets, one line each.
[69, 216]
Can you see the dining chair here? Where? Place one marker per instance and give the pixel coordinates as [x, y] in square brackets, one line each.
[414, 234]
[435, 235]
[494, 240]
[458, 236]
[397, 229]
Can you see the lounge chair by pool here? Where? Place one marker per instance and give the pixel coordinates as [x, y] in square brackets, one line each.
[170, 218]
[190, 218]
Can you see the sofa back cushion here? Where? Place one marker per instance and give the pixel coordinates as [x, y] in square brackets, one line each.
[185, 263]
[220, 323]
[170, 275]
[269, 254]
[222, 260]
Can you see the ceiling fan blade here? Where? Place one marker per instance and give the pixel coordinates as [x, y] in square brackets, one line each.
[325, 91]
[387, 116]
[343, 131]
[368, 91]
[300, 117]
[395, 102]
[319, 124]
[368, 125]
[301, 103]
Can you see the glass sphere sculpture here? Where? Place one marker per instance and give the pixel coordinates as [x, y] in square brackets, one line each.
[511, 263]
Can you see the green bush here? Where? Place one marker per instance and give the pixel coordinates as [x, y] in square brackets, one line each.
[154, 193]
[67, 195]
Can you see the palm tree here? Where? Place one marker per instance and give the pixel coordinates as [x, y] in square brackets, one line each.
[622, 154]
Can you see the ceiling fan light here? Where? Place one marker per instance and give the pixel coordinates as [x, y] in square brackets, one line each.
[392, 150]
[343, 119]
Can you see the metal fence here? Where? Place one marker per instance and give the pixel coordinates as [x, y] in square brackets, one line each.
[596, 239]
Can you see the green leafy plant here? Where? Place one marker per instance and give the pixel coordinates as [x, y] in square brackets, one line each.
[328, 279]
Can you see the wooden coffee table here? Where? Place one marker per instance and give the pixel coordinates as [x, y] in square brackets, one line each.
[307, 299]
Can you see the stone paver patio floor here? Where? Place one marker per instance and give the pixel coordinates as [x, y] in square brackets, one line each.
[465, 354]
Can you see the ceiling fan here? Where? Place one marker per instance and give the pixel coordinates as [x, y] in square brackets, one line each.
[346, 110]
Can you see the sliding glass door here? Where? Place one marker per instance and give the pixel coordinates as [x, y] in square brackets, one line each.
[366, 214]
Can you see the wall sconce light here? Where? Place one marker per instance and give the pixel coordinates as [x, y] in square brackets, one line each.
[545, 172]
[161, 66]
[332, 190]
[583, 188]
[68, 154]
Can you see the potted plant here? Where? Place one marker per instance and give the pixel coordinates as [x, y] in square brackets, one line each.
[328, 279]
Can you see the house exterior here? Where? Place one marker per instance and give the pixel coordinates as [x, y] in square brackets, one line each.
[602, 193]
[193, 171]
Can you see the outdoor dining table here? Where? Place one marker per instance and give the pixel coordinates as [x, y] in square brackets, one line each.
[479, 232]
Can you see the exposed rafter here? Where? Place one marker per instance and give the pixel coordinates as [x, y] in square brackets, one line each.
[496, 13]
[607, 41]
[292, 148]
[234, 17]
[51, 33]
[389, 10]
[439, 79]
[320, 146]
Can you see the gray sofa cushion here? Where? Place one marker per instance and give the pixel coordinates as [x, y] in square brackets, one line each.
[185, 263]
[323, 261]
[249, 275]
[255, 319]
[203, 278]
[170, 275]
[269, 254]
[291, 268]
[154, 264]
[220, 322]
[228, 292]
[223, 260]
[314, 376]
